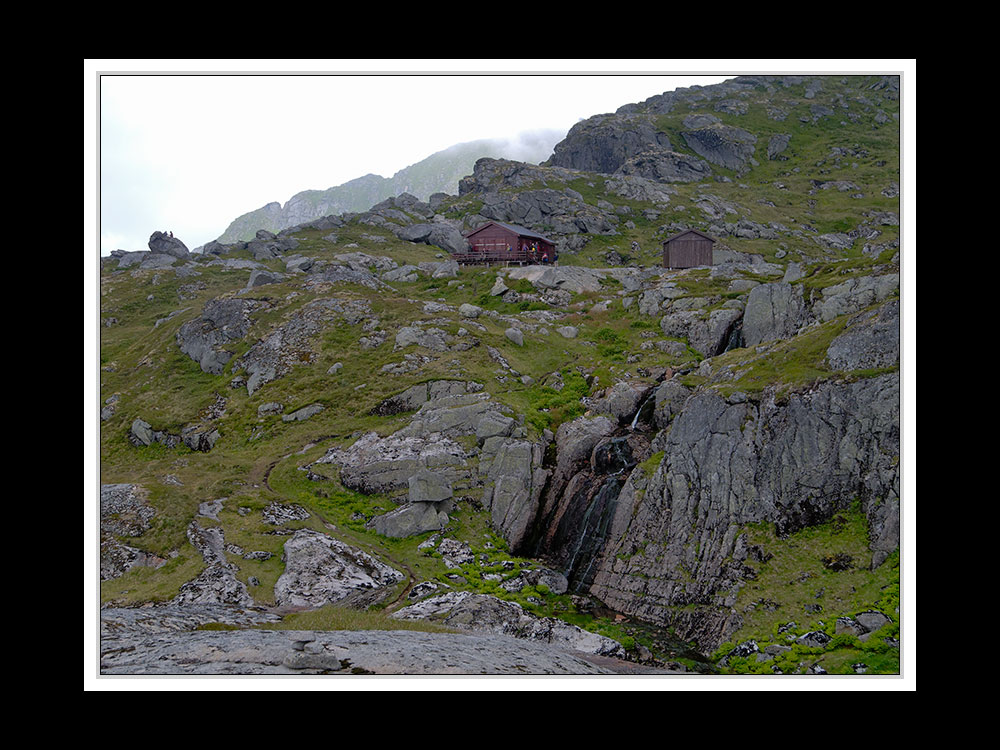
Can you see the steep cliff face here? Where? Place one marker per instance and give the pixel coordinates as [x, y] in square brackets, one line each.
[677, 550]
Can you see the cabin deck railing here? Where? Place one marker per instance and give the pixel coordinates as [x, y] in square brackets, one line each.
[520, 257]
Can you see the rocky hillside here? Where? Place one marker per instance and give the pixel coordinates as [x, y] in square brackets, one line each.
[438, 173]
[601, 466]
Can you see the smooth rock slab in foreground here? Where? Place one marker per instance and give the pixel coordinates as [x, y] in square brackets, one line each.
[249, 652]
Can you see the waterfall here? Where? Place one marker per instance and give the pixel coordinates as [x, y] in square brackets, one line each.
[574, 533]
[735, 340]
[645, 410]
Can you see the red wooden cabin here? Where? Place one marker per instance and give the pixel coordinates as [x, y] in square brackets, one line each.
[495, 242]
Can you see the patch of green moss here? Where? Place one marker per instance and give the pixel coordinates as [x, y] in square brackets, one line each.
[651, 464]
[803, 583]
[548, 408]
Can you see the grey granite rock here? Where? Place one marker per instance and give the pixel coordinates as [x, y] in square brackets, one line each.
[321, 570]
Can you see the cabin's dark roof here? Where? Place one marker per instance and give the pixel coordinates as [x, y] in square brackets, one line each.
[518, 230]
[690, 231]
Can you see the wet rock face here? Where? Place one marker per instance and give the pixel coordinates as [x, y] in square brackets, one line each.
[613, 456]
[594, 457]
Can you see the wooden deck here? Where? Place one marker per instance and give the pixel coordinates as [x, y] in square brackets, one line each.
[514, 257]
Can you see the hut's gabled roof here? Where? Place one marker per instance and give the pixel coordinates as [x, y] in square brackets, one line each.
[518, 230]
[689, 231]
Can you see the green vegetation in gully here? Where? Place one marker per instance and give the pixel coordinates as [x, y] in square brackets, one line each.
[802, 584]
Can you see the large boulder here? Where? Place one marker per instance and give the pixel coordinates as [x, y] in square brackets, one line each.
[514, 478]
[441, 235]
[167, 244]
[320, 570]
[429, 487]
[411, 520]
[575, 279]
[384, 465]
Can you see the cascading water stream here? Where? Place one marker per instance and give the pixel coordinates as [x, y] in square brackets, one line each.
[575, 533]
[644, 411]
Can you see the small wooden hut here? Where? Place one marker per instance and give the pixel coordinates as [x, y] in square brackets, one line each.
[688, 249]
[496, 242]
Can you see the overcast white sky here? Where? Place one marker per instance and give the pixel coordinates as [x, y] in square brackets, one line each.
[190, 153]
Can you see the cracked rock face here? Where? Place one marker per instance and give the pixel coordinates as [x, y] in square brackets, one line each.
[604, 144]
[725, 465]
[871, 340]
[774, 311]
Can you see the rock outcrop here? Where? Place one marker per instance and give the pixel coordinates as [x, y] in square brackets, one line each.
[480, 613]
[218, 582]
[125, 512]
[291, 343]
[504, 465]
[165, 243]
[726, 465]
[724, 145]
[222, 321]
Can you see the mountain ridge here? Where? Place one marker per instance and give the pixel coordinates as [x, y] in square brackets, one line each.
[438, 173]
